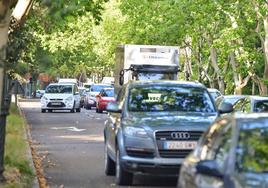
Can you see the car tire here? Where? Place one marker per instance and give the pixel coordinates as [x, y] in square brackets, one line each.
[109, 164]
[88, 107]
[50, 111]
[122, 177]
[73, 109]
[43, 110]
[78, 109]
[97, 110]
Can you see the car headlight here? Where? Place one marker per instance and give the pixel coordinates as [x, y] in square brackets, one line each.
[135, 131]
[44, 99]
[69, 99]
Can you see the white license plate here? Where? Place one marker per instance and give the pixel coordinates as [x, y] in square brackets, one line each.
[174, 145]
[56, 103]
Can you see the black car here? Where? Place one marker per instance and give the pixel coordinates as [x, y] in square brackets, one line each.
[153, 126]
[231, 154]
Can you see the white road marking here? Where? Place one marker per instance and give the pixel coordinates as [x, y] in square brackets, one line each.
[68, 128]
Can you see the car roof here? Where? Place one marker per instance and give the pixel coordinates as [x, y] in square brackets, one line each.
[62, 83]
[101, 84]
[213, 90]
[108, 88]
[255, 97]
[167, 82]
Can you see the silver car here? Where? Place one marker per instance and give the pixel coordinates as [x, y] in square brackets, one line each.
[153, 126]
[231, 154]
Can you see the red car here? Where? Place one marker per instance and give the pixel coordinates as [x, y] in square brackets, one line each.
[106, 95]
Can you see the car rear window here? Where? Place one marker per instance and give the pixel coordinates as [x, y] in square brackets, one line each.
[98, 88]
[169, 98]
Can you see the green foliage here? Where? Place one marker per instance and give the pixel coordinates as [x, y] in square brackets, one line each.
[17, 162]
[71, 38]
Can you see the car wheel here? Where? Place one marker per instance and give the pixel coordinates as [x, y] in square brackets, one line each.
[72, 110]
[100, 111]
[97, 110]
[50, 110]
[109, 164]
[78, 109]
[43, 110]
[122, 177]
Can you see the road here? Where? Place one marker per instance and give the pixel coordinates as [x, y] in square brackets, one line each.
[71, 147]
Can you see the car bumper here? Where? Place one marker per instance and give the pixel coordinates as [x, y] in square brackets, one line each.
[57, 106]
[91, 103]
[102, 106]
[156, 166]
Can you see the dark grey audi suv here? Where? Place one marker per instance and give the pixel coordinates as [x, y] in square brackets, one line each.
[153, 126]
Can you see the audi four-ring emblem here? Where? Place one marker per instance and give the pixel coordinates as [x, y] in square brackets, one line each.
[180, 135]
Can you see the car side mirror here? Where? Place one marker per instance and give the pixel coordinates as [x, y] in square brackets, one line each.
[113, 107]
[209, 168]
[225, 107]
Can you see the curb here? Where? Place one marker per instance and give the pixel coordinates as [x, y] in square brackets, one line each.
[28, 137]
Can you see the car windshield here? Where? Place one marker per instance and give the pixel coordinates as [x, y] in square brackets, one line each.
[59, 89]
[109, 93]
[98, 88]
[169, 98]
[252, 149]
[261, 106]
[215, 94]
[155, 76]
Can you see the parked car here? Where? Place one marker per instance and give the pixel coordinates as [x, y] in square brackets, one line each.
[231, 154]
[153, 126]
[106, 95]
[94, 90]
[214, 93]
[61, 96]
[251, 104]
[232, 99]
[83, 94]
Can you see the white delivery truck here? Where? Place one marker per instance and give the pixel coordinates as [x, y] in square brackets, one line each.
[145, 62]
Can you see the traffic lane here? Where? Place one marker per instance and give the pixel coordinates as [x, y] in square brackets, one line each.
[71, 145]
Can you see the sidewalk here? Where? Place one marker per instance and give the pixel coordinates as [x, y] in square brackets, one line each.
[28, 135]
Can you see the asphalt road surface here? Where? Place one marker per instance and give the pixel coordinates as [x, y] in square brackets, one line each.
[71, 147]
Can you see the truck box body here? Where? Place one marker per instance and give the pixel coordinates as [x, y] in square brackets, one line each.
[145, 62]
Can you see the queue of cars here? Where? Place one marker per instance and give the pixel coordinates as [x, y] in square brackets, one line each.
[178, 129]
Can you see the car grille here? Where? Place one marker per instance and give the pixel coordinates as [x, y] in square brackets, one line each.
[142, 154]
[163, 136]
[55, 104]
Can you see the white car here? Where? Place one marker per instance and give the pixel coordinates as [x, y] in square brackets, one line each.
[61, 96]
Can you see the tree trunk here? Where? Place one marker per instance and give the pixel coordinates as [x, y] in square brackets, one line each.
[214, 63]
[265, 46]
[240, 83]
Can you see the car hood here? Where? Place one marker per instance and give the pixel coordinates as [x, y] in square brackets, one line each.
[57, 95]
[108, 98]
[170, 121]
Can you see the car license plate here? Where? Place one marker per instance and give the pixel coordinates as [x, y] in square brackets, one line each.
[175, 145]
[56, 103]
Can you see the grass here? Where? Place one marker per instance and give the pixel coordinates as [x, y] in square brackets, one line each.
[18, 171]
